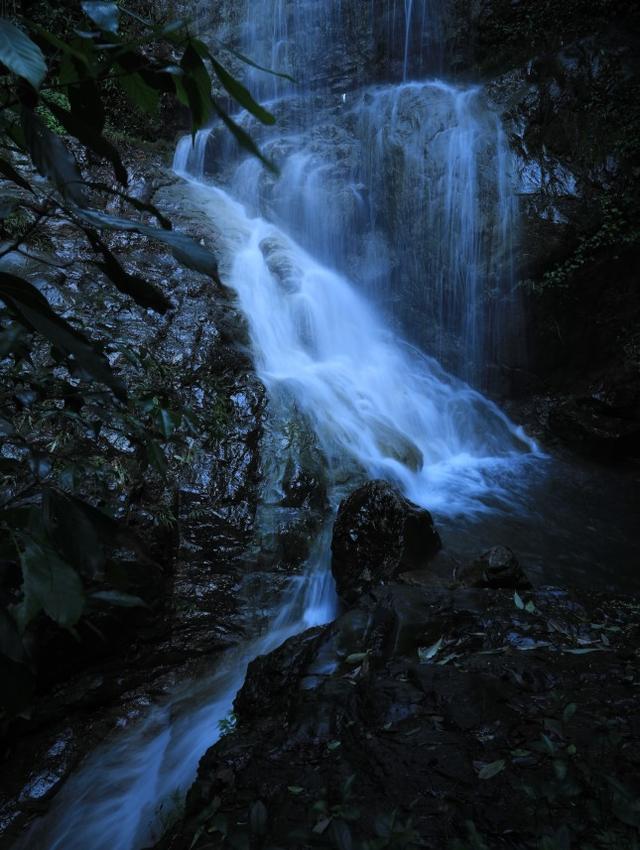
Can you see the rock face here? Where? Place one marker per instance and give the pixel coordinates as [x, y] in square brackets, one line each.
[378, 534]
[496, 568]
[429, 710]
[593, 428]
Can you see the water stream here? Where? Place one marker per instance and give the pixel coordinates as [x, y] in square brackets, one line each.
[316, 267]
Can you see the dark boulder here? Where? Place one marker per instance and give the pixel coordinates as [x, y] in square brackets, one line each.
[593, 428]
[377, 535]
[496, 568]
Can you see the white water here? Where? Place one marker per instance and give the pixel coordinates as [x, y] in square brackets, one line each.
[372, 400]
[125, 793]
[379, 407]
[415, 186]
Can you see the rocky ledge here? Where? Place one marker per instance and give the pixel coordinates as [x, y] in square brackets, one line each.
[434, 714]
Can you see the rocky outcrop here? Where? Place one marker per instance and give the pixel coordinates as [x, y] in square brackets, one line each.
[198, 521]
[593, 428]
[377, 535]
[424, 716]
[496, 568]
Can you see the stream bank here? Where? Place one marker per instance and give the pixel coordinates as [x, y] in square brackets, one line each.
[437, 711]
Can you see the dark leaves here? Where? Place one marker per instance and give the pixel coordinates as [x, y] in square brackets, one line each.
[143, 293]
[52, 159]
[185, 249]
[75, 126]
[33, 310]
[8, 171]
[239, 93]
[20, 55]
[104, 15]
[243, 138]
[49, 585]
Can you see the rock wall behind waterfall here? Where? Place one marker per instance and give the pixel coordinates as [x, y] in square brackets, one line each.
[338, 45]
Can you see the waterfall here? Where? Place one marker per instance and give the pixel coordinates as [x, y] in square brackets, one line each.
[373, 401]
[393, 212]
[415, 186]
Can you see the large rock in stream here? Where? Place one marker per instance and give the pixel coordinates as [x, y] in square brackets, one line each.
[379, 534]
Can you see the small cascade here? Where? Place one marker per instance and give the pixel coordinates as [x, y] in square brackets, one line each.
[128, 790]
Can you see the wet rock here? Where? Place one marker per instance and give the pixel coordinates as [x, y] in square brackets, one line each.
[457, 708]
[303, 487]
[496, 568]
[592, 428]
[377, 535]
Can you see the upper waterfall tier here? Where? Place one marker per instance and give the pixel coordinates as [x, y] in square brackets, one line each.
[407, 189]
[331, 44]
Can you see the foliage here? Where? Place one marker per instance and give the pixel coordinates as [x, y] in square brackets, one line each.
[616, 232]
[72, 428]
[512, 32]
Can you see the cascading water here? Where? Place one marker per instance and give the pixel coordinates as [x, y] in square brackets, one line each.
[414, 183]
[360, 181]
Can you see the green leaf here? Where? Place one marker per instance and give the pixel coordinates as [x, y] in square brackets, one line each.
[568, 712]
[258, 818]
[426, 653]
[76, 127]
[491, 770]
[20, 55]
[185, 249]
[167, 421]
[340, 835]
[143, 293]
[333, 745]
[140, 94]
[560, 769]
[141, 206]
[243, 138]
[10, 641]
[356, 658]
[584, 650]
[73, 532]
[85, 99]
[156, 457]
[49, 585]
[52, 159]
[321, 826]
[194, 87]
[33, 310]
[548, 744]
[252, 64]
[239, 93]
[104, 15]
[518, 601]
[9, 172]
[295, 789]
[530, 608]
[115, 597]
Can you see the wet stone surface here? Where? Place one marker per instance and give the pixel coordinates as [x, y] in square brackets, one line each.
[201, 525]
[447, 707]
